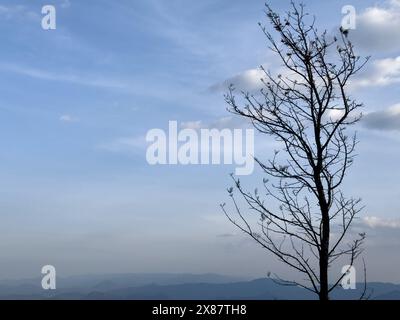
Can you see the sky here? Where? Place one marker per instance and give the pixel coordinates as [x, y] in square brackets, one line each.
[76, 103]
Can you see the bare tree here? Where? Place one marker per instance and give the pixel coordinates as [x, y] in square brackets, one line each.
[303, 218]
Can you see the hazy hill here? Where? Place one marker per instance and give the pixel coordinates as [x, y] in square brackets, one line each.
[175, 286]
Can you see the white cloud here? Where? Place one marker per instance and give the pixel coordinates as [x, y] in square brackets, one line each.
[378, 28]
[68, 118]
[249, 80]
[382, 72]
[388, 119]
[375, 222]
[335, 114]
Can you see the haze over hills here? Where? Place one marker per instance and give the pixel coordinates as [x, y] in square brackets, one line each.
[176, 286]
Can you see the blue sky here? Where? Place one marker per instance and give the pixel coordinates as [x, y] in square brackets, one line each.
[76, 103]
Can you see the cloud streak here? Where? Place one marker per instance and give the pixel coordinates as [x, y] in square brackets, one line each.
[382, 72]
[375, 222]
[125, 145]
[249, 80]
[378, 28]
[95, 81]
[18, 11]
[68, 118]
[228, 122]
[388, 119]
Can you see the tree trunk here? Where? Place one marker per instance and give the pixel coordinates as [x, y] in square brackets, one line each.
[323, 274]
[325, 235]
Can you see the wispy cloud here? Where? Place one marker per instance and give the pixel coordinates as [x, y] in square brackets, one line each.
[18, 12]
[226, 235]
[126, 145]
[78, 79]
[388, 119]
[228, 122]
[381, 73]
[377, 222]
[68, 118]
[65, 4]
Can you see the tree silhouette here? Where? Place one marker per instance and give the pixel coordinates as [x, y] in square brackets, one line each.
[303, 218]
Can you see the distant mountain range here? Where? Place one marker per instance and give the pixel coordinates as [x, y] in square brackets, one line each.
[176, 286]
